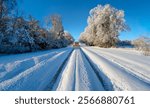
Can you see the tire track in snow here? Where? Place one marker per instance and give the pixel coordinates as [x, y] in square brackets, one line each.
[67, 79]
[20, 66]
[36, 77]
[75, 69]
[11, 70]
[106, 84]
[53, 81]
[78, 75]
[86, 78]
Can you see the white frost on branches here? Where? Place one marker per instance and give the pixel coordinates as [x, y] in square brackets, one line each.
[142, 44]
[104, 25]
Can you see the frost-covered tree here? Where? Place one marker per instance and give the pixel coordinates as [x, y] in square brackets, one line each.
[6, 7]
[57, 32]
[57, 28]
[141, 42]
[16, 37]
[68, 37]
[35, 31]
[56, 36]
[104, 25]
[21, 37]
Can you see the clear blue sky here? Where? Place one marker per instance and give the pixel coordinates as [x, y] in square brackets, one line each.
[75, 12]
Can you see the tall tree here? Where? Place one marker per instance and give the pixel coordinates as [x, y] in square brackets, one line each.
[104, 26]
[57, 27]
[6, 7]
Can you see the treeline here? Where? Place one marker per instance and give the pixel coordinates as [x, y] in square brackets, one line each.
[19, 34]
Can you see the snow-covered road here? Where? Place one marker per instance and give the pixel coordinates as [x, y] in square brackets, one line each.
[78, 75]
[85, 69]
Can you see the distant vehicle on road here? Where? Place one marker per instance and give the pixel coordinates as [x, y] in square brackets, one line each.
[76, 44]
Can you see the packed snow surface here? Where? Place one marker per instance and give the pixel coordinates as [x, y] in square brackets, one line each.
[78, 75]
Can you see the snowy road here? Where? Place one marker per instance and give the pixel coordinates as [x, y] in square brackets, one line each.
[68, 69]
[78, 75]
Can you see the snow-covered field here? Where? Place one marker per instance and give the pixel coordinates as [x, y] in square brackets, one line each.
[31, 71]
[126, 69]
[79, 69]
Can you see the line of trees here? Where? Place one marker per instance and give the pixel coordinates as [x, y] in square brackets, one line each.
[18, 35]
[104, 26]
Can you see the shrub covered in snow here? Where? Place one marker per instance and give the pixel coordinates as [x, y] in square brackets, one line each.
[21, 36]
[69, 38]
[142, 44]
[104, 25]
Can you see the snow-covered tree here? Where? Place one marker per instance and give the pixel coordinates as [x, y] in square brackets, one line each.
[16, 36]
[68, 37]
[57, 28]
[104, 25]
[6, 7]
[142, 44]
[57, 34]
